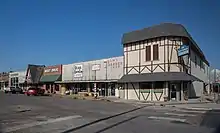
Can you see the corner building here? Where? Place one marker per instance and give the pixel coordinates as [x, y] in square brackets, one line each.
[163, 63]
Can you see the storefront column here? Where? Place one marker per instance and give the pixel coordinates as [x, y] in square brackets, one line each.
[117, 90]
[166, 91]
[182, 92]
[178, 92]
[63, 89]
[88, 87]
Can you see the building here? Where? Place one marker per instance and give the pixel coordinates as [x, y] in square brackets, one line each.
[162, 63]
[4, 80]
[50, 75]
[85, 76]
[33, 76]
[17, 79]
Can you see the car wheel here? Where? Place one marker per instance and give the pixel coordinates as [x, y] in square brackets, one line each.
[28, 94]
[6, 91]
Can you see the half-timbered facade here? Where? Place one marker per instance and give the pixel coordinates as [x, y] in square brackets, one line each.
[154, 70]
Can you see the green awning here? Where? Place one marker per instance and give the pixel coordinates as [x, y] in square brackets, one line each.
[50, 78]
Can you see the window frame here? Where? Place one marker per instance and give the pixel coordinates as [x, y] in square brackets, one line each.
[156, 55]
[148, 53]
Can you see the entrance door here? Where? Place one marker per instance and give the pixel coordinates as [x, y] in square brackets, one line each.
[173, 91]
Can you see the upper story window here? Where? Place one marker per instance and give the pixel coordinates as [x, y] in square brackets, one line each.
[155, 52]
[195, 61]
[148, 53]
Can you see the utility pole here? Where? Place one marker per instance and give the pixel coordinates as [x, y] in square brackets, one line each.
[106, 76]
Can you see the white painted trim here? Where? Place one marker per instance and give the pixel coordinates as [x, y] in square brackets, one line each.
[167, 118]
[176, 114]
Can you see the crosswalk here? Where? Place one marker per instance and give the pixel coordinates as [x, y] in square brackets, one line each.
[185, 115]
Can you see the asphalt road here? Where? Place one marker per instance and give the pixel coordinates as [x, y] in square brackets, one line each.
[23, 114]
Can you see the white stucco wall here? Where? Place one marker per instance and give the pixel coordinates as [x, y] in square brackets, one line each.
[199, 72]
[132, 55]
[20, 74]
[113, 70]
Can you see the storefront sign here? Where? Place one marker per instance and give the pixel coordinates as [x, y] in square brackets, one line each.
[78, 71]
[53, 70]
[183, 50]
[13, 74]
[96, 67]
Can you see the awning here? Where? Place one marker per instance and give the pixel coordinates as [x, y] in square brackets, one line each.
[87, 81]
[158, 76]
[50, 78]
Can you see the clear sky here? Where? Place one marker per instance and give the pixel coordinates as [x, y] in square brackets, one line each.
[65, 31]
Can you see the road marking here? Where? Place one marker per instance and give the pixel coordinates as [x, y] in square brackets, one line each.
[167, 118]
[28, 125]
[202, 109]
[191, 111]
[176, 114]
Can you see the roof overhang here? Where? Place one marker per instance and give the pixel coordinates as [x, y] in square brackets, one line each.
[161, 30]
[158, 76]
[87, 81]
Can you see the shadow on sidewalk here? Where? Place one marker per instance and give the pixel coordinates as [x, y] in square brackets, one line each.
[211, 119]
[102, 119]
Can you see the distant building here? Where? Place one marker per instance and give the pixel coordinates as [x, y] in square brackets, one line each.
[4, 81]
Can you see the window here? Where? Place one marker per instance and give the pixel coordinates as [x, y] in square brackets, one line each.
[195, 61]
[155, 52]
[158, 85]
[146, 85]
[200, 64]
[148, 53]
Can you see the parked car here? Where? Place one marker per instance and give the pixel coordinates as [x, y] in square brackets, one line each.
[33, 91]
[13, 90]
[16, 90]
[7, 89]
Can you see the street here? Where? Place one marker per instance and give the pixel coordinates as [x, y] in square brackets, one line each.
[23, 114]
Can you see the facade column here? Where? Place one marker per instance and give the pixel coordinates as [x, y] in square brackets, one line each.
[166, 91]
[88, 87]
[178, 92]
[181, 91]
[63, 89]
[117, 90]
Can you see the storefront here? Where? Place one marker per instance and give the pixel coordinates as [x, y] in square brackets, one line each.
[4, 80]
[33, 76]
[50, 75]
[160, 66]
[17, 79]
[97, 75]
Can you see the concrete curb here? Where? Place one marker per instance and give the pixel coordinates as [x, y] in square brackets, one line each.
[157, 104]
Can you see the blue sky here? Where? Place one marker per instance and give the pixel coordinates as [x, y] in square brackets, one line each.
[64, 31]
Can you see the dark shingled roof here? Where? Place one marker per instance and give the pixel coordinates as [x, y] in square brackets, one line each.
[36, 71]
[158, 76]
[161, 30]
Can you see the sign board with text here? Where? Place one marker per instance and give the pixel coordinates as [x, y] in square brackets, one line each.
[96, 67]
[78, 71]
[183, 50]
[53, 70]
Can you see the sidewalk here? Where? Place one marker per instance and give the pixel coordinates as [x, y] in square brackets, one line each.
[200, 106]
[156, 103]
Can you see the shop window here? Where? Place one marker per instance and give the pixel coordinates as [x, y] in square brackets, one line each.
[158, 85]
[145, 85]
[47, 86]
[57, 88]
[155, 52]
[148, 53]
